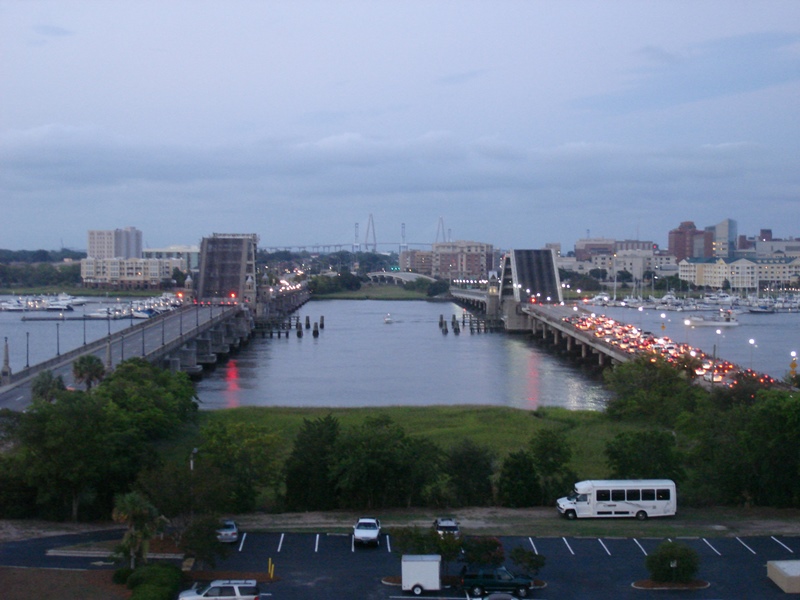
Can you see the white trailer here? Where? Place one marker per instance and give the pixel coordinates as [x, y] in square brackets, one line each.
[640, 498]
[421, 573]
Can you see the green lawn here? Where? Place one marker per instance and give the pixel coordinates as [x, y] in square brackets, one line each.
[502, 429]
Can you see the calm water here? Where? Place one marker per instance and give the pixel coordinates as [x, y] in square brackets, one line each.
[358, 360]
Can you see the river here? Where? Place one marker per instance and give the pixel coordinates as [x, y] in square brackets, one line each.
[358, 360]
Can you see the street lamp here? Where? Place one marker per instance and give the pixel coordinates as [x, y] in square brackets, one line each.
[688, 324]
[58, 340]
[27, 349]
[752, 343]
[793, 364]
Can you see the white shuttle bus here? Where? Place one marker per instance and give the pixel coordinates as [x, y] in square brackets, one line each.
[640, 498]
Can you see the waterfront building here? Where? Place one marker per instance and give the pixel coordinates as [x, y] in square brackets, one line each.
[587, 248]
[129, 273]
[462, 260]
[190, 255]
[740, 273]
[417, 261]
[114, 243]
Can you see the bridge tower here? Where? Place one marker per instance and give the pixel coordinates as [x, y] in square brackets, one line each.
[370, 228]
[228, 268]
[356, 244]
[403, 245]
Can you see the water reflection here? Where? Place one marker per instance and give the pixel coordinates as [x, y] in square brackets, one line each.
[359, 360]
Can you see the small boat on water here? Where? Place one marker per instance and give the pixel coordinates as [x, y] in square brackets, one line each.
[762, 309]
[725, 318]
[388, 318]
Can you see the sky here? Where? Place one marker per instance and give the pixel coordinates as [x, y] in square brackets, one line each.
[325, 123]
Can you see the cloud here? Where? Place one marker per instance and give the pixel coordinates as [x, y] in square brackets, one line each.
[52, 31]
[715, 69]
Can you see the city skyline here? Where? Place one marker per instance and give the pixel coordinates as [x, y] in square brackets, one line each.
[517, 123]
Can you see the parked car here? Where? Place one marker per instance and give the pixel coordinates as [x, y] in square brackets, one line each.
[367, 531]
[477, 580]
[234, 589]
[447, 525]
[228, 531]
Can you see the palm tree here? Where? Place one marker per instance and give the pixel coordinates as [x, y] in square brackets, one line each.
[46, 386]
[142, 519]
[88, 369]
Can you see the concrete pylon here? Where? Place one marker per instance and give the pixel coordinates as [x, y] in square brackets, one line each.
[5, 373]
[109, 365]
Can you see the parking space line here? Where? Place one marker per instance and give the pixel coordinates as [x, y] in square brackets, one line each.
[280, 542]
[535, 551]
[712, 547]
[640, 546]
[568, 546]
[782, 544]
[241, 543]
[745, 545]
[604, 546]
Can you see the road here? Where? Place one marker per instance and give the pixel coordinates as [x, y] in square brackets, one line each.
[143, 338]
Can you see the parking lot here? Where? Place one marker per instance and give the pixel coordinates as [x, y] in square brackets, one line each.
[326, 566]
[330, 567]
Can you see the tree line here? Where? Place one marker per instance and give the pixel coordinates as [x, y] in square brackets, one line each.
[74, 451]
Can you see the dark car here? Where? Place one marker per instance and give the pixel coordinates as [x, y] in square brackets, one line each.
[477, 580]
[447, 526]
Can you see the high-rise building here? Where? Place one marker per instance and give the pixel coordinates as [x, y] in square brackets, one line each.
[115, 243]
[689, 242]
[725, 234]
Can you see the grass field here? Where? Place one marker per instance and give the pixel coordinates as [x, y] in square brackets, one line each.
[501, 429]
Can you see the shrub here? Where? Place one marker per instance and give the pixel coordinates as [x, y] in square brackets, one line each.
[157, 575]
[673, 562]
[121, 575]
[152, 591]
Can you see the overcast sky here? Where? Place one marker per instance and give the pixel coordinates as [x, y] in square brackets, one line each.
[515, 123]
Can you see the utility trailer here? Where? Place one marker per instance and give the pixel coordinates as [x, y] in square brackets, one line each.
[421, 573]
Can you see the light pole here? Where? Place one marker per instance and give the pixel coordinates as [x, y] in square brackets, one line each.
[752, 343]
[688, 324]
[27, 349]
[58, 339]
[793, 365]
[84, 325]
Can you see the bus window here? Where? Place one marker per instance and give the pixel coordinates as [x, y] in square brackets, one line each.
[648, 494]
[603, 495]
[634, 495]
[662, 494]
[618, 495]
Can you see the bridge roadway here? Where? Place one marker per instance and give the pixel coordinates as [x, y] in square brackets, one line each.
[171, 335]
[547, 322]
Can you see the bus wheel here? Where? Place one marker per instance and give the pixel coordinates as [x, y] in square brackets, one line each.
[641, 515]
[570, 514]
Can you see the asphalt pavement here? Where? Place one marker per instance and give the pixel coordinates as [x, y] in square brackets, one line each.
[330, 567]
